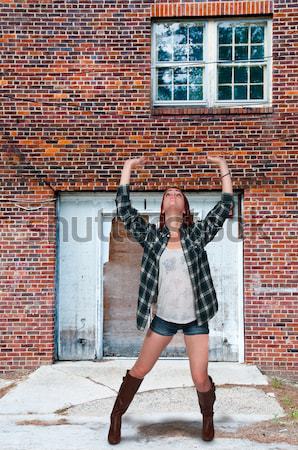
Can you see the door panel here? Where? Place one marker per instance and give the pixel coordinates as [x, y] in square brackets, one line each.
[77, 280]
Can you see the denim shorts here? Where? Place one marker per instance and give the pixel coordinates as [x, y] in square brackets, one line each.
[166, 328]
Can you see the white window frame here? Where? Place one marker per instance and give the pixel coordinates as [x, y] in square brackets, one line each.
[210, 49]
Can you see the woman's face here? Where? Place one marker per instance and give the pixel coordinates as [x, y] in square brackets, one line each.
[173, 202]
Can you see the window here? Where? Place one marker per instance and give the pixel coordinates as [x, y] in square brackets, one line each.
[211, 63]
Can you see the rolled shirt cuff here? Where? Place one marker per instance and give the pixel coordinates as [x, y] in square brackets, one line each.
[226, 197]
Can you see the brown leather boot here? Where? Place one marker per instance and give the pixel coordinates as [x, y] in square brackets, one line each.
[206, 401]
[126, 393]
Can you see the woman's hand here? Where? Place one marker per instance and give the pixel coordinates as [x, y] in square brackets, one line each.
[129, 165]
[217, 159]
[133, 163]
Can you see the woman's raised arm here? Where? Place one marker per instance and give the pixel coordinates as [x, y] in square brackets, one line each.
[129, 165]
[204, 231]
[133, 221]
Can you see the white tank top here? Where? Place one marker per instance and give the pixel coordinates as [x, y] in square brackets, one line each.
[175, 300]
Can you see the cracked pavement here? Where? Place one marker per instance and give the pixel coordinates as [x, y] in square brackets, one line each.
[67, 405]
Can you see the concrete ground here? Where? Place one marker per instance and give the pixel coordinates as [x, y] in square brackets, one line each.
[67, 406]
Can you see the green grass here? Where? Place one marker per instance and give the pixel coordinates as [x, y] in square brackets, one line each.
[276, 382]
[288, 401]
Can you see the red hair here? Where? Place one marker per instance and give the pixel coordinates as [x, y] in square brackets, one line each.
[187, 216]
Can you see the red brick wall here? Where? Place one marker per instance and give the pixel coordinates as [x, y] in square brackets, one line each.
[75, 86]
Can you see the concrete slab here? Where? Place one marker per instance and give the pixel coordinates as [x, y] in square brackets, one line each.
[231, 401]
[64, 384]
[171, 431]
[165, 410]
[166, 370]
[47, 390]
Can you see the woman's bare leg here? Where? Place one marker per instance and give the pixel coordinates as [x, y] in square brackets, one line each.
[152, 347]
[197, 351]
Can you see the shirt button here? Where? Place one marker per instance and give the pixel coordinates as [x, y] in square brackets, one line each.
[168, 235]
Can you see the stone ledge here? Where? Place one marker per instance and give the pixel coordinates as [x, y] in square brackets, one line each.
[174, 110]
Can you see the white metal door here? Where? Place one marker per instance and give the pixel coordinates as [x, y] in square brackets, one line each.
[77, 278]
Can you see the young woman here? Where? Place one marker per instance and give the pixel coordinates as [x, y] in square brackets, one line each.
[175, 275]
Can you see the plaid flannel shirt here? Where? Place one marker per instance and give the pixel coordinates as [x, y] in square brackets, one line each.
[193, 240]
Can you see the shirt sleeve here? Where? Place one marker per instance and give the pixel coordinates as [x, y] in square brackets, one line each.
[133, 221]
[205, 230]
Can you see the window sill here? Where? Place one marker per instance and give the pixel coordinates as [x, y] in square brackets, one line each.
[173, 110]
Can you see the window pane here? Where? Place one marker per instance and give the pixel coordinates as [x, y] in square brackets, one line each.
[196, 75]
[257, 52]
[195, 92]
[180, 76]
[164, 76]
[240, 92]
[241, 35]
[196, 53]
[164, 42]
[256, 74]
[225, 53]
[257, 34]
[164, 93]
[180, 92]
[240, 74]
[180, 34]
[224, 92]
[164, 53]
[195, 35]
[180, 53]
[224, 34]
[163, 30]
[241, 52]
[256, 91]
[224, 75]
